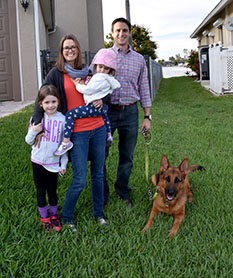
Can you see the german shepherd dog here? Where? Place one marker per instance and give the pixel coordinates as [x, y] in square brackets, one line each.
[173, 188]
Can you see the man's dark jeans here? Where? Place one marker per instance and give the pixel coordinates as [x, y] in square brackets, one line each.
[126, 122]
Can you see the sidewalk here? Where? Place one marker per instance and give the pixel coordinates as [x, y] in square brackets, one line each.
[10, 107]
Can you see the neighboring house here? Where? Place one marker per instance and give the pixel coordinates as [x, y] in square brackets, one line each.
[215, 39]
[23, 34]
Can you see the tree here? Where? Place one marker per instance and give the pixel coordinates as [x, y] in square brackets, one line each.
[173, 60]
[110, 41]
[141, 41]
[186, 53]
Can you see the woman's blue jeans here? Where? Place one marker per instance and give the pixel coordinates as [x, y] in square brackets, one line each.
[86, 144]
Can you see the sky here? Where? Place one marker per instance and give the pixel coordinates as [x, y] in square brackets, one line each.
[170, 22]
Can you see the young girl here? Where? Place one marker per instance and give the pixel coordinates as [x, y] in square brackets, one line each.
[45, 165]
[100, 85]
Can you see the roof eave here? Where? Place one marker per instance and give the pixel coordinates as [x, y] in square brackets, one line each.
[219, 7]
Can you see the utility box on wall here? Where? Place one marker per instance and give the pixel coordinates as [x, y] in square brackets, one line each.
[221, 69]
[204, 61]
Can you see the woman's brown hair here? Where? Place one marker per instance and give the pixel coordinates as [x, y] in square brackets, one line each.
[61, 60]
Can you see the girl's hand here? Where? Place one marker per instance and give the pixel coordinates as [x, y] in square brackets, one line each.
[37, 128]
[78, 81]
[98, 104]
[38, 139]
[62, 172]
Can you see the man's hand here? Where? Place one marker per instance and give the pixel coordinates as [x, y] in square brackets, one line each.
[145, 124]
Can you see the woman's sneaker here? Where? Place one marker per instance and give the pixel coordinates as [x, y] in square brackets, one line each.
[56, 223]
[102, 222]
[109, 140]
[63, 148]
[46, 224]
[71, 227]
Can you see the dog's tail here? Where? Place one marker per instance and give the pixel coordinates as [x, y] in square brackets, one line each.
[193, 168]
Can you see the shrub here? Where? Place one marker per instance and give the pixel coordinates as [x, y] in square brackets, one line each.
[193, 62]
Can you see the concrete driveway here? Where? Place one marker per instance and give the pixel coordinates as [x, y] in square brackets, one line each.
[10, 107]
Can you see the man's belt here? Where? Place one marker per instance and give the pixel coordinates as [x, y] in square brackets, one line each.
[119, 107]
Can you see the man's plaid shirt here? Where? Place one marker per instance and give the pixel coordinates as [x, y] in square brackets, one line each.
[132, 75]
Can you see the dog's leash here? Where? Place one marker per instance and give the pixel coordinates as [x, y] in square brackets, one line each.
[148, 139]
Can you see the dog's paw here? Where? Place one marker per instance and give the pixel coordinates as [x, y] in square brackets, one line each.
[201, 168]
[145, 230]
[172, 234]
[190, 200]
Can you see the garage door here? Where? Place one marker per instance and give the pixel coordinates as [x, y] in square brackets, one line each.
[6, 90]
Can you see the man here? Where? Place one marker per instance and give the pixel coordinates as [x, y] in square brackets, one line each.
[123, 110]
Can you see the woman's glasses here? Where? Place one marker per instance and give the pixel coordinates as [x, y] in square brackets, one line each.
[72, 48]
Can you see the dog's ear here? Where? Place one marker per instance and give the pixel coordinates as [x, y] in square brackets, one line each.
[184, 166]
[164, 164]
[155, 178]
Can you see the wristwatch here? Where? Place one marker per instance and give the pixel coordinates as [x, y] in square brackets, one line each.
[149, 117]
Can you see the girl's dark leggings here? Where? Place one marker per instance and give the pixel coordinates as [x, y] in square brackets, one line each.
[45, 181]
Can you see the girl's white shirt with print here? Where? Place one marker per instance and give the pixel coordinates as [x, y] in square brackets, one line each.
[53, 127]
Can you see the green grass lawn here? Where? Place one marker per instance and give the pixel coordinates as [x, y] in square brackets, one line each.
[187, 122]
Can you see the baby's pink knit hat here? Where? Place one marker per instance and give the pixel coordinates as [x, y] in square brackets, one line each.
[106, 57]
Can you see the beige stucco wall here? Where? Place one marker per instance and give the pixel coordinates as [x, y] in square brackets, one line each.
[43, 31]
[27, 41]
[83, 18]
[95, 25]
[227, 35]
[28, 53]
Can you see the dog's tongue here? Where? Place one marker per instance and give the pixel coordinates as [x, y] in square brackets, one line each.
[170, 197]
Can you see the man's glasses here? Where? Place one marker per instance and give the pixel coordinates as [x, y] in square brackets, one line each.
[72, 48]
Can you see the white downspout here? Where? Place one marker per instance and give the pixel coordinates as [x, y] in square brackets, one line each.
[19, 52]
[37, 38]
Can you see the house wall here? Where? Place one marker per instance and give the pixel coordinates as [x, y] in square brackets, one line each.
[84, 19]
[43, 31]
[220, 34]
[216, 52]
[95, 25]
[27, 52]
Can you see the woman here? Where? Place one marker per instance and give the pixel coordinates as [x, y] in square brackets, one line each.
[88, 135]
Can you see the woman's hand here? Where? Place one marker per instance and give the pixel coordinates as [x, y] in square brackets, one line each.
[98, 104]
